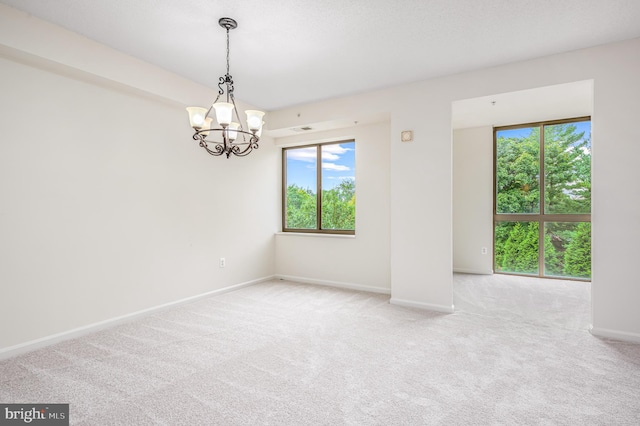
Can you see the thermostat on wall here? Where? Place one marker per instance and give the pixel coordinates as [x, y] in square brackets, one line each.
[406, 136]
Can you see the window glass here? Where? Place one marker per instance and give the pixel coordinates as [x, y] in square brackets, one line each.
[553, 238]
[567, 249]
[327, 170]
[567, 168]
[301, 186]
[516, 247]
[518, 170]
[338, 186]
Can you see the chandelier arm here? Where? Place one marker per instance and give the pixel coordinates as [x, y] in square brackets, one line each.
[215, 152]
[200, 138]
[245, 151]
[218, 151]
[213, 103]
[239, 149]
[235, 110]
[221, 81]
[230, 89]
[251, 145]
[198, 135]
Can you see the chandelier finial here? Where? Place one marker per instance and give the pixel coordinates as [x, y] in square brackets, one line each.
[228, 23]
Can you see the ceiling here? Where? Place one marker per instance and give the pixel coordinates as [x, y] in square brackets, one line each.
[560, 101]
[290, 52]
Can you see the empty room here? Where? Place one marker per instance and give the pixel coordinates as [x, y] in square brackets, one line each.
[329, 212]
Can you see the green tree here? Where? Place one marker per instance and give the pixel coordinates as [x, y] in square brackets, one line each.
[339, 206]
[301, 208]
[553, 260]
[517, 171]
[582, 186]
[502, 231]
[567, 170]
[521, 249]
[567, 188]
[577, 257]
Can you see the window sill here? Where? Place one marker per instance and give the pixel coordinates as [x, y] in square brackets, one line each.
[314, 235]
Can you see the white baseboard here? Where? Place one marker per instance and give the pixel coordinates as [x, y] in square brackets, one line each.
[473, 271]
[32, 345]
[338, 284]
[615, 334]
[420, 305]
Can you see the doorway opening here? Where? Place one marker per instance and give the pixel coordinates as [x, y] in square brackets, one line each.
[476, 285]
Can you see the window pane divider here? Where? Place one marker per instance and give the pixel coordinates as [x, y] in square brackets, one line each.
[319, 188]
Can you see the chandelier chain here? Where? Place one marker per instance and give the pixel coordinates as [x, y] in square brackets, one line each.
[227, 51]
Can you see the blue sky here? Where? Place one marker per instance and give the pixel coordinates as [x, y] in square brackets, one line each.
[338, 160]
[581, 126]
[338, 163]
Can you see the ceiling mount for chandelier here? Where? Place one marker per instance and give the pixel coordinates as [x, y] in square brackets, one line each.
[236, 139]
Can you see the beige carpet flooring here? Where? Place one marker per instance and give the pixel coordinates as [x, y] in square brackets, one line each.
[516, 352]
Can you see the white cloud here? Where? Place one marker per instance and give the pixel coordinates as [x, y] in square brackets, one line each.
[329, 153]
[330, 156]
[341, 177]
[334, 149]
[303, 154]
[336, 167]
[585, 149]
[333, 152]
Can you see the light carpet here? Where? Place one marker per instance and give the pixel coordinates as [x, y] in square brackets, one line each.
[281, 353]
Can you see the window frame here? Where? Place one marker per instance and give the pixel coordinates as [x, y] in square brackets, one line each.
[318, 229]
[541, 217]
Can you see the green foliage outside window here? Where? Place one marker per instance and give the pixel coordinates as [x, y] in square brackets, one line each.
[320, 187]
[301, 208]
[338, 207]
[517, 170]
[567, 165]
[577, 257]
[521, 248]
[567, 190]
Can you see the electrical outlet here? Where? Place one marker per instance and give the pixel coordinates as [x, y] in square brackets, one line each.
[483, 250]
[223, 262]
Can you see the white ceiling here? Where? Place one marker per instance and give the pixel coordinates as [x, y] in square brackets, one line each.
[560, 101]
[289, 52]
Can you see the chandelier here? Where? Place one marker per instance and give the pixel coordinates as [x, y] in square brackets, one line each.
[235, 139]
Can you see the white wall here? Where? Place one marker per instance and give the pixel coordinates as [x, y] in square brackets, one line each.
[472, 200]
[360, 261]
[421, 213]
[108, 207]
[130, 220]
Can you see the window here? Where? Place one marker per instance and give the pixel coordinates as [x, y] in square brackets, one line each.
[542, 203]
[319, 188]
